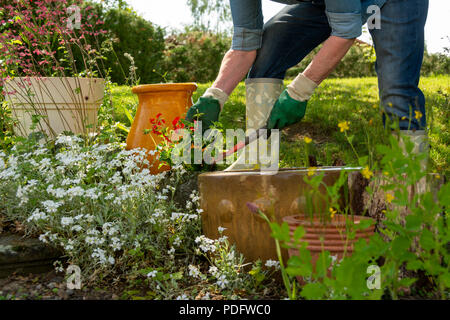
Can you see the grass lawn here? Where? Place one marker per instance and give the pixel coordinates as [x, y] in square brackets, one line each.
[336, 100]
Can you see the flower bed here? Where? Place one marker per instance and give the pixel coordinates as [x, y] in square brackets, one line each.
[115, 220]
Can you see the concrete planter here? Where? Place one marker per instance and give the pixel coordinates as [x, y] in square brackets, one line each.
[65, 104]
[224, 196]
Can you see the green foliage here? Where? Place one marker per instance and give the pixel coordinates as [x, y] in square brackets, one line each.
[210, 15]
[435, 64]
[405, 248]
[6, 126]
[194, 55]
[131, 45]
[360, 62]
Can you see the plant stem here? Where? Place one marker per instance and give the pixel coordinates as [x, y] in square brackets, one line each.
[284, 275]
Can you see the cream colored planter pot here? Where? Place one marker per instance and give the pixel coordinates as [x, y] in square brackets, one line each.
[66, 104]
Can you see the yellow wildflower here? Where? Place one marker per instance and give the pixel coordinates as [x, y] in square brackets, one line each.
[367, 173]
[333, 211]
[307, 140]
[311, 171]
[383, 212]
[344, 126]
[418, 115]
[389, 197]
[386, 173]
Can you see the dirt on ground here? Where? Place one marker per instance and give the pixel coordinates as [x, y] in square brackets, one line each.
[49, 286]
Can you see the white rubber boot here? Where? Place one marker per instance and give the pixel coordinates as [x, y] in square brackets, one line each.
[261, 95]
[420, 140]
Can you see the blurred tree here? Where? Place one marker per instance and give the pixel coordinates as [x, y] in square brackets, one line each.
[133, 46]
[211, 15]
[194, 55]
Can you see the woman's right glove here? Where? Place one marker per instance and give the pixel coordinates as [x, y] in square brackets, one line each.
[290, 107]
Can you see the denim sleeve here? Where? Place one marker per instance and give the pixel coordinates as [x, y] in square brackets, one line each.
[344, 17]
[248, 24]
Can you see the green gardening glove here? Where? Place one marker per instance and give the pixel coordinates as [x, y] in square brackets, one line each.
[206, 109]
[286, 111]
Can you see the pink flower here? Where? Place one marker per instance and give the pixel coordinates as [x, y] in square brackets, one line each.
[253, 207]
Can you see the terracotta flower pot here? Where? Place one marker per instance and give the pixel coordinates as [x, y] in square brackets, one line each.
[171, 100]
[329, 236]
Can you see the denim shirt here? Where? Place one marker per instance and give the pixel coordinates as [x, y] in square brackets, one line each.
[345, 17]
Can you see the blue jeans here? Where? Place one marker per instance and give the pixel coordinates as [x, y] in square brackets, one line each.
[399, 45]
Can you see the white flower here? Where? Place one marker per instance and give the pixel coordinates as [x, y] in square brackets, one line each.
[109, 229]
[76, 228]
[44, 164]
[93, 232]
[221, 229]
[37, 215]
[272, 264]
[43, 237]
[68, 181]
[182, 297]
[22, 195]
[206, 296]
[176, 215]
[116, 245]
[99, 241]
[205, 244]
[194, 272]
[59, 193]
[66, 221]
[92, 193]
[214, 271]
[69, 245]
[68, 140]
[116, 178]
[222, 281]
[53, 237]
[152, 274]
[109, 196]
[32, 183]
[177, 241]
[51, 206]
[161, 197]
[194, 197]
[90, 240]
[100, 255]
[75, 192]
[171, 251]
[111, 260]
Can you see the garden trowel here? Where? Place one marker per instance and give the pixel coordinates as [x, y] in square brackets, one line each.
[241, 145]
